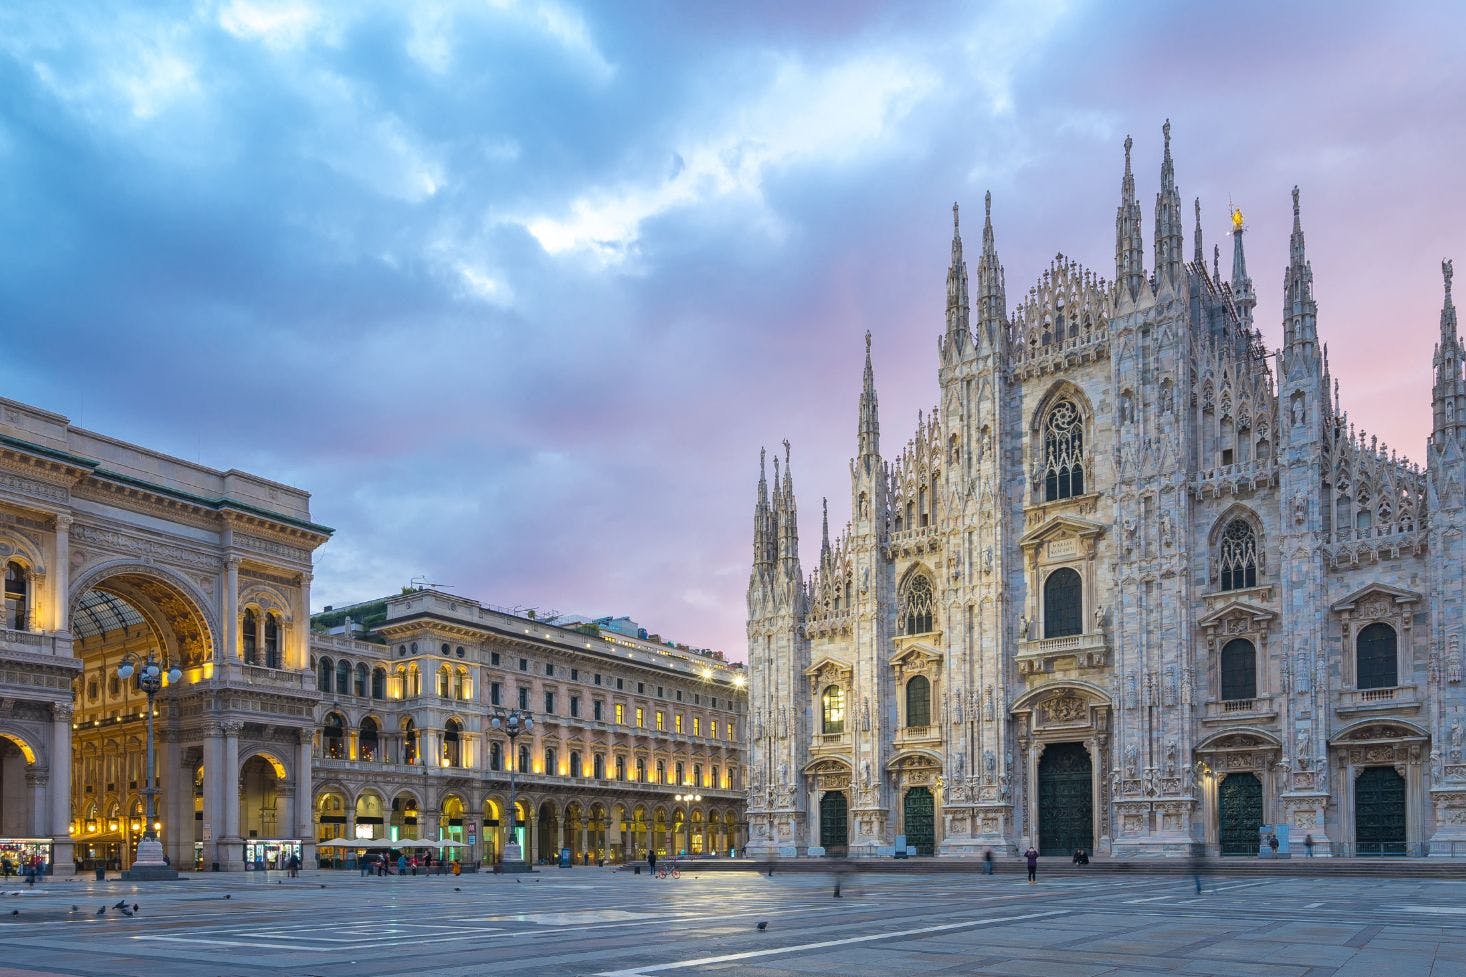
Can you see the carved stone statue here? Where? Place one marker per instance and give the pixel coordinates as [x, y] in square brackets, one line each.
[1099, 617]
[1300, 508]
[865, 714]
[783, 773]
[1456, 741]
[865, 772]
[1132, 760]
[1305, 746]
[989, 763]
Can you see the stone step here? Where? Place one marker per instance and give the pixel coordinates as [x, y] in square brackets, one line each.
[1444, 868]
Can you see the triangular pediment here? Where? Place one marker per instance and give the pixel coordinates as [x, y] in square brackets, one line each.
[832, 668]
[916, 657]
[1063, 525]
[1394, 595]
[1255, 613]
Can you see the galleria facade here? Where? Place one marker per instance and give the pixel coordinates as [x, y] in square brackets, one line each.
[1136, 585]
[279, 734]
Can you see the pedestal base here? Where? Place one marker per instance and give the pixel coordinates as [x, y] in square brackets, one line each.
[150, 866]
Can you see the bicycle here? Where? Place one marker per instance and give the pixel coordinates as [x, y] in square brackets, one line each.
[669, 868]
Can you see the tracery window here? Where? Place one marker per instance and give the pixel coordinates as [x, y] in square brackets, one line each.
[1063, 603]
[1239, 670]
[832, 708]
[1063, 447]
[1376, 658]
[1237, 559]
[918, 701]
[916, 605]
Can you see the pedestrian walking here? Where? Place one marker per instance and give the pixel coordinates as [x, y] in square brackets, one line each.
[651, 860]
[1308, 844]
[987, 861]
[1196, 867]
[294, 866]
[1032, 856]
[401, 864]
[1272, 842]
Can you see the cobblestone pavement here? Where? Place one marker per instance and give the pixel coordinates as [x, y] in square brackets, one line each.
[601, 923]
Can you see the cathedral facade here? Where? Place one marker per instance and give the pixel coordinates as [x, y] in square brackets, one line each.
[1135, 585]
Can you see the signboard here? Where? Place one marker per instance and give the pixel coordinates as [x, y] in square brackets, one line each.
[208, 831]
[473, 833]
[564, 857]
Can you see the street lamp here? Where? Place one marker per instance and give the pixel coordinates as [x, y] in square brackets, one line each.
[150, 675]
[511, 723]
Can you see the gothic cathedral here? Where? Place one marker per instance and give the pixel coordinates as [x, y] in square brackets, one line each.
[1135, 586]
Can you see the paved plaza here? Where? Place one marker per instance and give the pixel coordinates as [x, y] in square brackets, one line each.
[615, 924]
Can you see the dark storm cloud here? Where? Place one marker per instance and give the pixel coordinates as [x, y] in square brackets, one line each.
[517, 290]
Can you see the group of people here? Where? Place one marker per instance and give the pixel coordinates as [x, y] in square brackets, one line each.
[32, 867]
[382, 864]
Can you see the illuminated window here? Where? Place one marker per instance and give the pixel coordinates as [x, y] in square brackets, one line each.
[17, 590]
[713, 729]
[833, 708]
[251, 641]
[677, 722]
[620, 714]
[661, 719]
[730, 729]
[696, 726]
[640, 717]
[661, 771]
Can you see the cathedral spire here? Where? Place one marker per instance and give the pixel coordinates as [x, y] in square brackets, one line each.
[1449, 399]
[1129, 250]
[787, 513]
[763, 521]
[958, 306]
[1300, 332]
[870, 421]
[1200, 256]
[1168, 234]
[992, 298]
[1242, 293]
[824, 532]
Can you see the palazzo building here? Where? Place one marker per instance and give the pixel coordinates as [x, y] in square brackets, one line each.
[636, 745]
[277, 736]
[1135, 584]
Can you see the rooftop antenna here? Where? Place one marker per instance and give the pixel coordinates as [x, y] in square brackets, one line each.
[424, 583]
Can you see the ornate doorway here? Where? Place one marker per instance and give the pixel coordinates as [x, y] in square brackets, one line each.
[1379, 812]
[1065, 799]
[834, 823]
[1239, 813]
[919, 816]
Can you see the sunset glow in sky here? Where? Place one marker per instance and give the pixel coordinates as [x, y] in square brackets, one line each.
[517, 290]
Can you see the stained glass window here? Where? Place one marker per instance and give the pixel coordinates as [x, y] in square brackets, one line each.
[1238, 557]
[1063, 447]
[916, 605]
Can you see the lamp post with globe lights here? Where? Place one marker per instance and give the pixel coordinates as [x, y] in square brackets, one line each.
[150, 673]
[511, 723]
[688, 799]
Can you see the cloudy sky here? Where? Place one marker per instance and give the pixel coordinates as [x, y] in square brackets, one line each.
[518, 289]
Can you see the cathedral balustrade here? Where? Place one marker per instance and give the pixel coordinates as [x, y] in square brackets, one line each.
[831, 741]
[1252, 711]
[914, 735]
[911, 542]
[1236, 479]
[1350, 548]
[1399, 698]
[1038, 359]
[1089, 650]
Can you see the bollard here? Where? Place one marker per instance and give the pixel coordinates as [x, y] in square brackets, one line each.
[636, 869]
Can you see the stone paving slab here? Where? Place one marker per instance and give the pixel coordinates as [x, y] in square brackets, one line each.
[592, 922]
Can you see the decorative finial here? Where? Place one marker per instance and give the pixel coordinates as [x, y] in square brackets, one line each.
[954, 216]
[1295, 202]
[762, 454]
[1166, 134]
[1237, 217]
[1128, 143]
[1447, 270]
[1198, 211]
[867, 342]
[786, 454]
[987, 205]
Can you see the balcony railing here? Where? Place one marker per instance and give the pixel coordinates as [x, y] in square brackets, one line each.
[1235, 709]
[1393, 697]
[831, 740]
[1089, 650]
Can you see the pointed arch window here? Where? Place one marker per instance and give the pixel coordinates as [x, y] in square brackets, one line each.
[1063, 447]
[918, 701]
[916, 605]
[1239, 670]
[832, 710]
[1376, 657]
[1063, 603]
[1237, 559]
[251, 635]
[17, 592]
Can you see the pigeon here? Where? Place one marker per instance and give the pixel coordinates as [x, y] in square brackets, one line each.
[15, 912]
[228, 896]
[763, 926]
[126, 911]
[134, 907]
[76, 909]
[457, 889]
[121, 904]
[102, 911]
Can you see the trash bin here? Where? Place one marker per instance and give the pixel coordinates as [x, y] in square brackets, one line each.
[101, 871]
[216, 867]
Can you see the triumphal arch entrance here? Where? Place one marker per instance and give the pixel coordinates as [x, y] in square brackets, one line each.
[115, 553]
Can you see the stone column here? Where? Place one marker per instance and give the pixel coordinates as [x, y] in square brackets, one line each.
[37, 779]
[61, 575]
[60, 790]
[298, 651]
[304, 789]
[175, 834]
[233, 857]
[216, 790]
[230, 625]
